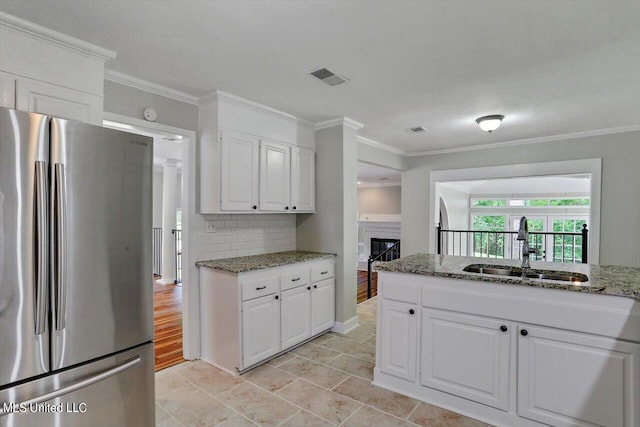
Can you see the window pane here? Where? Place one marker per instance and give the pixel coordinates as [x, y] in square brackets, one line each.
[569, 202]
[488, 222]
[489, 202]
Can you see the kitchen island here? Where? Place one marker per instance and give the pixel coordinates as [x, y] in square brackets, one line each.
[508, 350]
[254, 308]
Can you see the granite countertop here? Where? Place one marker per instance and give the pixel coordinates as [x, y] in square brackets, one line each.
[259, 262]
[603, 279]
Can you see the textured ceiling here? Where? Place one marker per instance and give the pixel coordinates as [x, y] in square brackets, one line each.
[550, 67]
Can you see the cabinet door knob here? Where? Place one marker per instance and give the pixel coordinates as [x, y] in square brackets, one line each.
[315, 286]
[412, 312]
[503, 328]
[255, 207]
[294, 208]
[277, 297]
[286, 208]
[524, 332]
[308, 288]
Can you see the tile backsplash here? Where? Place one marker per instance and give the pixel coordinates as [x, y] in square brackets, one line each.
[241, 235]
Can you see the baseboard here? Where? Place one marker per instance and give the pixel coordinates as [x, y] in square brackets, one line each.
[345, 327]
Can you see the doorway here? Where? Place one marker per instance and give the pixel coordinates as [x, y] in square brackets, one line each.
[171, 208]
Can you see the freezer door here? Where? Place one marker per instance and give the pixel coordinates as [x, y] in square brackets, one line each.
[101, 286]
[24, 159]
[115, 391]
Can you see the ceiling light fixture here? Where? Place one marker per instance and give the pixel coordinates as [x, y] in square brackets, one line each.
[490, 123]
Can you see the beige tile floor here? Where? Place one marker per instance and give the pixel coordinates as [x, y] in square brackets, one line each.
[326, 382]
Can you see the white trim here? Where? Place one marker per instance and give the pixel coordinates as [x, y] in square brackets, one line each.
[136, 83]
[251, 105]
[382, 184]
[55, 38]
[190, 289]
[591, 166]
[344, 121]
[346, 327]
[380, 145]
[572, 135]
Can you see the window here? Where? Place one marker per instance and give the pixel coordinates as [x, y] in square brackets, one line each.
[489, 240]
[524, 202]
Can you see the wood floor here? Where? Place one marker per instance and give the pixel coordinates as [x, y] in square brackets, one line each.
[167, 322]
[362, 285]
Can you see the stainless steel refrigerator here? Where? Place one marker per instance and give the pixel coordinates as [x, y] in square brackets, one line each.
[76, 298]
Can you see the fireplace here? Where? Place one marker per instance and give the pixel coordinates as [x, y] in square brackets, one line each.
[378, 246]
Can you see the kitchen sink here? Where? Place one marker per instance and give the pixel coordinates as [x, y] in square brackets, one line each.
[531, 273]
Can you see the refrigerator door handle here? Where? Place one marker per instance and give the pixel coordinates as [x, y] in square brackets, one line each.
[60, 246]
[84, 383]
[41, 202]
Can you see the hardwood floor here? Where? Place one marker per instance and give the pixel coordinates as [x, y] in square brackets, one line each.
[167, 322]
[362, 285]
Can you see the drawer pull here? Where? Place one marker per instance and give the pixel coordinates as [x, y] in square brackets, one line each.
[503, 328]
[277, 297]
[324, 272]
[524, 332]
[412, 312]
[295, 280]
[261, 288]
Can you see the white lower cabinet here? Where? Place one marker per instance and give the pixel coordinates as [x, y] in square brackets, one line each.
[398, 339]
[467, 356]
[249, 317]
[260, 329]
[295, 315]
[573, 379]
[323, 305]
[561, 359]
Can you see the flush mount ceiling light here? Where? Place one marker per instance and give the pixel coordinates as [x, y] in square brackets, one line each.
[490, 123]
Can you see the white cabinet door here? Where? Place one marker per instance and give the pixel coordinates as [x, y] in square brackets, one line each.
[239, 172]
[467, 356]
[573, 379]
[274, 176]
[303, 183]
[398, 335]
[45, 98]
[260, 329]
[323, 305]
[295, 315]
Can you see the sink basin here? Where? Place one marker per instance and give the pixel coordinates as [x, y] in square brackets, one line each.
[504, 270]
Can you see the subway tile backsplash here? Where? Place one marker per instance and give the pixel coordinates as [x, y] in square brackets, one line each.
[241, 235]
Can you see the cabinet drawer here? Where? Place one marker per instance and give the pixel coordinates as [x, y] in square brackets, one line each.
[297, 277]
[321, 271]
[400, 289]
[254, 288]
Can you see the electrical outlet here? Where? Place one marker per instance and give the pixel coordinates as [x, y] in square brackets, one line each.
[210, 227]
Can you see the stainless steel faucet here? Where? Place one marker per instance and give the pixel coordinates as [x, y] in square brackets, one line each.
[523, 236]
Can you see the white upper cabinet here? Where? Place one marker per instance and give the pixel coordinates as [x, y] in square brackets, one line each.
[303, 179]
[284, 164]
[238, 172]
[43, 71]
[275, 184]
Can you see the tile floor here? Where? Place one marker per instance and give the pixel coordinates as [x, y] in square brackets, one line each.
[326, 382]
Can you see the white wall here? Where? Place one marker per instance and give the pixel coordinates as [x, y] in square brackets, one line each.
[620, 205]
[157, 199]
[380, 157]
[379, 200]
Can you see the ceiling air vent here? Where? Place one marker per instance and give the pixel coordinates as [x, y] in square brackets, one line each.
[418, 129]
[330, 78]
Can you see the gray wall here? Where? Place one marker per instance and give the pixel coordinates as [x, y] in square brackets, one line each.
[620, 209]
[380, 157]
[333, 227]
[379, 200]
[131, 102]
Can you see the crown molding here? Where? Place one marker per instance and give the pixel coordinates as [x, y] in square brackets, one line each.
[344, 121]
[365, 184]
[564, 136]
[380, 145]
[251, 105]
[136, 83]
[55, 38]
